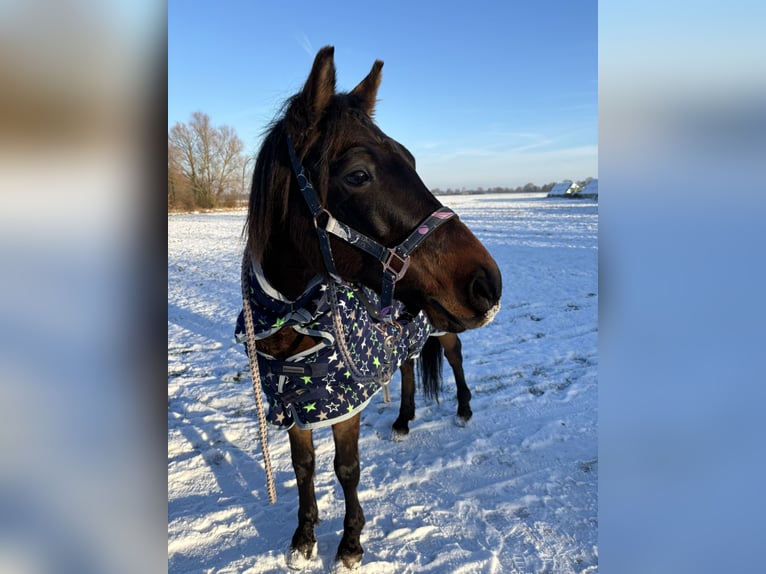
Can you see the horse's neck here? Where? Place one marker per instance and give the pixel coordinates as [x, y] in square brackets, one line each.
[285, 270]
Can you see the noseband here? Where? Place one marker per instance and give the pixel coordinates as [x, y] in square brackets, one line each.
[395, 260]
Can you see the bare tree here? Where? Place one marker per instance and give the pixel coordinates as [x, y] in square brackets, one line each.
[209, 159]
[179, 195]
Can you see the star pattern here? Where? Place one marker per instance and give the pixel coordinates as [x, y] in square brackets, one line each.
[351, 372]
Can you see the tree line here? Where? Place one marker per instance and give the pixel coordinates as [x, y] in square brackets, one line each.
[206, 165]
[208, 168]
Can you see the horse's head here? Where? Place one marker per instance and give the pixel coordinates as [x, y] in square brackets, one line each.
[367, 181]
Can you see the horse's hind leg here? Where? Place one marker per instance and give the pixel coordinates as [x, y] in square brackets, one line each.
[346, 435]
[453, 351]
[302, 453]
[407, 405]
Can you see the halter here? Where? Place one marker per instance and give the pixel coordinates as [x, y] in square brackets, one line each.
[395, 260]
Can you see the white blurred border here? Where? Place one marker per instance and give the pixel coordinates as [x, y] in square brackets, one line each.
[682, 142]
[82, 485]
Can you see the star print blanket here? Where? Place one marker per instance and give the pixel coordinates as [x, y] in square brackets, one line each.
[356, 355]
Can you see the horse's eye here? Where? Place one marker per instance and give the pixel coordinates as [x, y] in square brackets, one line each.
[357, 178]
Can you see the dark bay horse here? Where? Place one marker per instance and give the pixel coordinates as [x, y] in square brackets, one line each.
[370, 225]
[430, 365]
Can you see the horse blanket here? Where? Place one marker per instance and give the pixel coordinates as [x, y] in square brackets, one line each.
[355, 355]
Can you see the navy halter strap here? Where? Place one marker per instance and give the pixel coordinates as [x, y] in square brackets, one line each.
[395, 260]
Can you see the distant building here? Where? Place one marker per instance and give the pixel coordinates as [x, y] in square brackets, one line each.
[573, 191]
[590, 191]
[563, 189]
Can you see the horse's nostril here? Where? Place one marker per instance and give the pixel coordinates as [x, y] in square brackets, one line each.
[480, 290]
[484, 291]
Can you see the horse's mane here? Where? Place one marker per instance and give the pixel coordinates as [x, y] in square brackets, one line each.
[264, 205]
[269, 201]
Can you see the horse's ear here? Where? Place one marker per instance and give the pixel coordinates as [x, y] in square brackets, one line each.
[320, 86]
[367, 90]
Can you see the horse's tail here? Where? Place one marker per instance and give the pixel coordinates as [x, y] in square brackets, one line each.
[430, 368]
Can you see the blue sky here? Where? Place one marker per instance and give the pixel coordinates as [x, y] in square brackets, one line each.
[483, 93]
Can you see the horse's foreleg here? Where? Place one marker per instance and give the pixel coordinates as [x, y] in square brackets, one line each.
[346, 435]
[453, 351]
[302, 453]
[407, 406]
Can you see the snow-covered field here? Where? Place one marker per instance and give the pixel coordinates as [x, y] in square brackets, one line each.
[514, 491]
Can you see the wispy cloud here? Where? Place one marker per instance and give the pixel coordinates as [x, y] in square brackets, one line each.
[486, 145]
[305, 43]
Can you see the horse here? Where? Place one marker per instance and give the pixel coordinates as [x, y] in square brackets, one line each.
[429, 366]
[339, 219]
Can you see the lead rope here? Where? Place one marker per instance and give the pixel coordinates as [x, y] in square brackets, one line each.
[256, 376]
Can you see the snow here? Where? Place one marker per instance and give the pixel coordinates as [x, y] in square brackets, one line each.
[513, 491]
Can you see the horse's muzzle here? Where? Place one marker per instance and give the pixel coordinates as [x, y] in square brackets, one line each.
[483, 299]
[484, 289]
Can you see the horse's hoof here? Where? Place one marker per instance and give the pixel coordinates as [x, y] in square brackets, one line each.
[349, 553]
[347, 564]
[399, 434]
[299, 558]
[464, 412]
[400, 431]
[340, 568]
[462, 421]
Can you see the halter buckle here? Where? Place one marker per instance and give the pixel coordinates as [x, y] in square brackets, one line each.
[395, 265]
